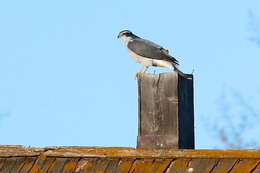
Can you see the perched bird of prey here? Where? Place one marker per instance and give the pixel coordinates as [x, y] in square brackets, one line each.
[148, 53]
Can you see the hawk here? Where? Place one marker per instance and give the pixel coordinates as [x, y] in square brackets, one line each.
[148, 53]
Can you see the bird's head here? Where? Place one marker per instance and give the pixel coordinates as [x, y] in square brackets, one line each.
[125, 33]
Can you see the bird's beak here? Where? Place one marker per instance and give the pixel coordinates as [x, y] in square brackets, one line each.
[118, 36]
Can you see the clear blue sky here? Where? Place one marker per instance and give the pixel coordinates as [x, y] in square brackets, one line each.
[65, 79]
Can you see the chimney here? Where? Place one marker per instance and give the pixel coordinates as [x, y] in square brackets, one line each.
[165, 111]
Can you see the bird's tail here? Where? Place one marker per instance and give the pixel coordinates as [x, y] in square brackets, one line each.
[187, 76]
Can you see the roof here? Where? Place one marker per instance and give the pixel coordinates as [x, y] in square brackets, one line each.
[119, 159]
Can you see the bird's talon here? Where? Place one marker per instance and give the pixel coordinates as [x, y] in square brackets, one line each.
[137, 75]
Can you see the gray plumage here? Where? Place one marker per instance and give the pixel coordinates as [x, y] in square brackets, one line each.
[148, 53]
[151, 50]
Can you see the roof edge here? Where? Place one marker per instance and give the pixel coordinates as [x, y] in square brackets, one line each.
[122, 152]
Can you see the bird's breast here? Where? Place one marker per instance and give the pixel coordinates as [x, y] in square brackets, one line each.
[139, 59]
[134, 56]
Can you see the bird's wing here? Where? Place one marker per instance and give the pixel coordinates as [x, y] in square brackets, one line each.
[151, 50]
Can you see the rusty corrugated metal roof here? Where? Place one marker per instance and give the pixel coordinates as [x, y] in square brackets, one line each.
[123, 160]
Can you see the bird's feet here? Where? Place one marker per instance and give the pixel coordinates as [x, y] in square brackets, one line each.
[138, 74]
[141, 72]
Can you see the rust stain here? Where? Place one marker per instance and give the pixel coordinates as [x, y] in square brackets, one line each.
[114, 159]
[124, 152]
[35, 169]
[154, 153]
[43, 156]
[60, 163]
[202, 165]
[26, 165]
[36, 166]
[81, 165]
[245, 165]
[85, 165]
[257, 169]
[124, 165]
[70, 166]
[51, 166]
[224, 165]
[140, 165]
[101, 165]
[133, 167]
[179, 165]
[160, 165]
[144, 165]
